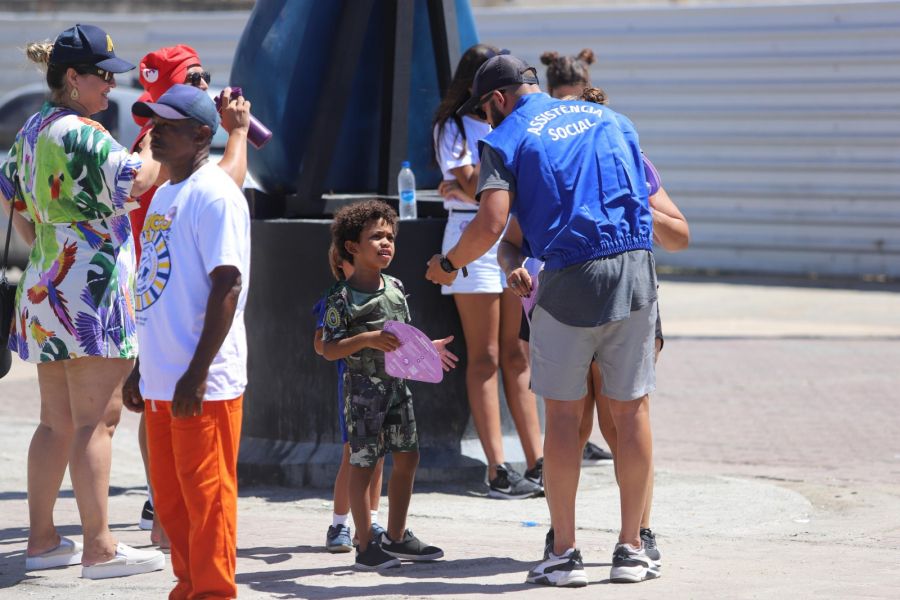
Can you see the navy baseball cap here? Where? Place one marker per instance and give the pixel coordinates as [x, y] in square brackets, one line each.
[87, 45]
[181, 102]
[497, 72]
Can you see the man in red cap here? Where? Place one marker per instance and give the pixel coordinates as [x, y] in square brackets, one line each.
[158, 71]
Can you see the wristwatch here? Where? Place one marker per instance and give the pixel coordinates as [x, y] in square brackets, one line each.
[448, 267]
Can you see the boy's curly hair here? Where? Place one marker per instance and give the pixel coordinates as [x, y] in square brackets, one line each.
[334, 263]
[351, 220]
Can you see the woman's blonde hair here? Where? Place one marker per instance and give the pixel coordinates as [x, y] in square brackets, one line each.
[40, 53]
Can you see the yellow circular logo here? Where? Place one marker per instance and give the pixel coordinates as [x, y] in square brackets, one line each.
[332, 317]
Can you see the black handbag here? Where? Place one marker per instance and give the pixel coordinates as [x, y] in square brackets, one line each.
[7, 303]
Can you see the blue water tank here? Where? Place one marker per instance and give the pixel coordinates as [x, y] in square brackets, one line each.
[281, 62]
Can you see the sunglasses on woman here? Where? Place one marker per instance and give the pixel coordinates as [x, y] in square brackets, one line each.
[92, 70]
[195, 77]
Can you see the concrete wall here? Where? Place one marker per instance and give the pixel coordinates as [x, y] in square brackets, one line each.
[775, 128]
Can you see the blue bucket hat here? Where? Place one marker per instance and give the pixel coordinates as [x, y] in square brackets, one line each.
[181, 102]
[87, 45]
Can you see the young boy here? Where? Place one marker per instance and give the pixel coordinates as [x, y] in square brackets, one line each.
[378, 407]
[338, 539]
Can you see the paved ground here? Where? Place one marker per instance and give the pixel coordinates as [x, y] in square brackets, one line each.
[778, 474]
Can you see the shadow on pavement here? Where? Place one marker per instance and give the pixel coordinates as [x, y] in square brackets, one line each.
[12, 562]
[274, 555]
[288, 583]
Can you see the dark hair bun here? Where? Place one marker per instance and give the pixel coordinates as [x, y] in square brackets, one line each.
[587, 56]
[549, 57]
[595, 95]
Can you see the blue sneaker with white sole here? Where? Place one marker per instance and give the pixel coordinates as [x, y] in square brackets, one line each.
[337, 540]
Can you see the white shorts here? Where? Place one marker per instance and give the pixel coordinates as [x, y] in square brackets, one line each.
[485, 275]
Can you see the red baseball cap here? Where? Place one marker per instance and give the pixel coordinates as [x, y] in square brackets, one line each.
[162, 68]
[142, 121]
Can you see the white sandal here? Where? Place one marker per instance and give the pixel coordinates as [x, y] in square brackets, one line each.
[67, 553]
[128, 561]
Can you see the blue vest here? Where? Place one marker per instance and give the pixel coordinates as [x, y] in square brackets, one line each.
[580, 184]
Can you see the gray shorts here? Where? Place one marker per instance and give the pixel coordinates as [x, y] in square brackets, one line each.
[624, 350]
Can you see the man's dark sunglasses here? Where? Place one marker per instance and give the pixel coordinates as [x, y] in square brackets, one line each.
[477, 111]
[92, 70]
[195, 77]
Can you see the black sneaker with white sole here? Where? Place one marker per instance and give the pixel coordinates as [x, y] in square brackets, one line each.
[631, 566]
[410, 548]
[560, 571]
[648, 539]
[510, 485]
[374, 559]
[536, 474]
[549, 540]
[146, 522]
[594, 455]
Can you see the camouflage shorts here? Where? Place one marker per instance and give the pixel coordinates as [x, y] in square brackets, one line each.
[372, 436]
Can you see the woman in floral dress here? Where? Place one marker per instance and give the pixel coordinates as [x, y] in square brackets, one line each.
[71, 185]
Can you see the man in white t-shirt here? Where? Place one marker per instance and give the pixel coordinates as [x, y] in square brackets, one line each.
[192, 369]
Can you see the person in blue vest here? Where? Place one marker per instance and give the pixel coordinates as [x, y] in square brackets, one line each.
[571, 172]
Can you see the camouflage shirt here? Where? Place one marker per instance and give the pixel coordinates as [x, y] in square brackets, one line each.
[378, 408]
[349, 312]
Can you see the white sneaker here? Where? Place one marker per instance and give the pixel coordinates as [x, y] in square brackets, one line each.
[128, 561]
[561, 571]
[631, 565]
[67, 553]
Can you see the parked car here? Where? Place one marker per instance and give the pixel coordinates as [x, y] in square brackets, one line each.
[19, 104]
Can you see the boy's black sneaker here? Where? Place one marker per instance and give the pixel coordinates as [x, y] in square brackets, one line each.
[594, 455]
[510, 485]
[536, 474]
[648, 539]
[631, 566]
[561, 571]
[374, 559]
[146, 522]
[410, 548]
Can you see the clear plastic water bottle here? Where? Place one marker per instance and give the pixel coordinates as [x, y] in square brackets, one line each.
[406, 186]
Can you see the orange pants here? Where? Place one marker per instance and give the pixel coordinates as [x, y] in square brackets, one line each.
[193, 468]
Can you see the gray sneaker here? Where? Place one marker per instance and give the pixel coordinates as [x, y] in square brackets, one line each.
[510, 485]
[648, 539]
[536, 474]
[631, 565]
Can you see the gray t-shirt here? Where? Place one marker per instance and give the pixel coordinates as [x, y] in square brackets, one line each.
[590, 293]
[494, 175]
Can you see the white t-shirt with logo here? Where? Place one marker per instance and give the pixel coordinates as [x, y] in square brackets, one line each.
[191, 228]
[449, 151]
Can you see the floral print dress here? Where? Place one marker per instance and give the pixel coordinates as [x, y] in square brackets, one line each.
[68, 176]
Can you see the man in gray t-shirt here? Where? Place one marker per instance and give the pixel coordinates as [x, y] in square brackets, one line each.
[596, 299]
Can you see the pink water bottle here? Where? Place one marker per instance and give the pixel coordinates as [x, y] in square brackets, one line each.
[258, 134]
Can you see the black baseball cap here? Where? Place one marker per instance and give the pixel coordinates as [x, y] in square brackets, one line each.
[87, 45]
[181, 102]
[497, 72]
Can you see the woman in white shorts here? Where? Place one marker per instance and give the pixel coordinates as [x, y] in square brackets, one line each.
[490, 313]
